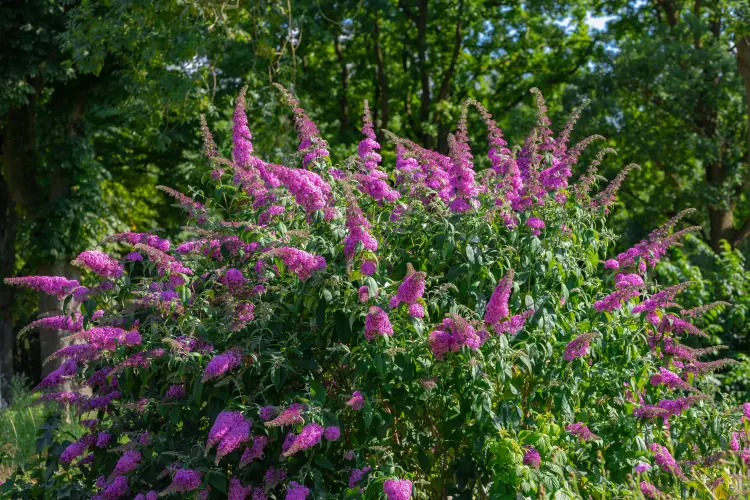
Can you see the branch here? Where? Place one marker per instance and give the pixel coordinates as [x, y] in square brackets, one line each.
[19, 153]
[448, 76]
[741, 234]
[409, 13]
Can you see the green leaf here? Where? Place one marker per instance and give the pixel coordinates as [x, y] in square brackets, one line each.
[448, 249]
[197, 390]
[526, 361]
[593, 258]
[219, 482]
[379, 364]
[307, 364]
[470, 253]
[529, 301]
[318, 392]
[174, 415]
[324, 462]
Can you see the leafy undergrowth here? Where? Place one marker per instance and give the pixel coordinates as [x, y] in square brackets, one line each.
[21, 424]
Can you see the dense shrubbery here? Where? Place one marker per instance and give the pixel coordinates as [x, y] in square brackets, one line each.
[367, 332]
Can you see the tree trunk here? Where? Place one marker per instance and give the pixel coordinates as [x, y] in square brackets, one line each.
[382, 80]
[343, 102]
[722, 226]
[447, 80]
[721, 216]
[20, 156]
[7, 264]
[18, 191]
[743, 66]
[51, 341]
[424, 74]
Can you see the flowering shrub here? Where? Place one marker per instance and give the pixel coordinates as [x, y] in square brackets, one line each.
[428, 330]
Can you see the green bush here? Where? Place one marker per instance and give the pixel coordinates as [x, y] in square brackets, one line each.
[421, 331]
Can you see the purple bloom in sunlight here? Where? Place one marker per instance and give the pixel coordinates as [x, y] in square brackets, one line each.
[578, 347]
[615, 300]
[51, 285]
[289, 416]
[397, 489]
[296, 491]
[416, 310]
[532, 457]
[332, 433]
[536, 225]
[641, 467]
[497, 307]
[356, 402]
[309, 437]
[133, 257]
[377, 323]
[100, 263]
[229, 431]
[184, 480]
[412, 288]
[368, 267]
[221, 363]
[627, 280]
[241, 138]
[665, 461]
[451, 335]
[581, 431]
[298, 261]
[649, 490]
[358, 227]
[369, 144]
[611, 264]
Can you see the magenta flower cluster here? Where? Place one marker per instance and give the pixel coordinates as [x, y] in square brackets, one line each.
[451, 335]
[100, 263]
[230, 430]
[377, 323]
[581, 431]
[222, 363]
[298, 261]
[397, 489]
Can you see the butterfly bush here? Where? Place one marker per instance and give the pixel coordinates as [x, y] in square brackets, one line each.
[421, 327]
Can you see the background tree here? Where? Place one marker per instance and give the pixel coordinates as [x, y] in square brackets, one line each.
[668, 86]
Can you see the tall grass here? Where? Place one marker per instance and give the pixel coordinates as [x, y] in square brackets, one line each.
[19, 423]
